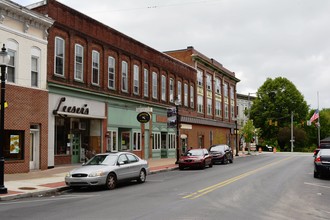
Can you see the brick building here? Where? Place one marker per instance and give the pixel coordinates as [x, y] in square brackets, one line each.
[216, 113]
[24, 34]
[98, 81]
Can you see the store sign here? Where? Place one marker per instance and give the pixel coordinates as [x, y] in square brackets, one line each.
[141, 109]
[143, 117]
[84, 110]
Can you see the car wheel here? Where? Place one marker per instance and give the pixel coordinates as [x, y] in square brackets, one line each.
[142, 177]
[111, 181]
[211, 164]
[231, 160]
[316, 175]
[181, 167]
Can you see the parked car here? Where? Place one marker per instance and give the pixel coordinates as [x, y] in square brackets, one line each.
[107, 170]
[221, 153]
[195, 158]
[322, 146]
[322, 163]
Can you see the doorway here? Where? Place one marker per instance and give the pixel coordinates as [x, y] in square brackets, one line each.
[34, 147]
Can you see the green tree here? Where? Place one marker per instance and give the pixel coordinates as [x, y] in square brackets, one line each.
[248, 132]
[271, 110]
[312, 130]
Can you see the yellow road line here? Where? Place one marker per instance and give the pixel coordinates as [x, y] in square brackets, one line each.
[209, 189]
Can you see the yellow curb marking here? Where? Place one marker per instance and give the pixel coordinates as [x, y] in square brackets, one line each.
[209, 189]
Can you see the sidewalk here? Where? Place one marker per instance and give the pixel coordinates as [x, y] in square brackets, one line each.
[40, 183]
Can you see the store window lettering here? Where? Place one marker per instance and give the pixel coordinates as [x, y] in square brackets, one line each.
[71, 109]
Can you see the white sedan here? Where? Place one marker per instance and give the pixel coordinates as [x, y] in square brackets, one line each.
[108, 169]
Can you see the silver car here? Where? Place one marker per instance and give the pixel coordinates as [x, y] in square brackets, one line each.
[108, 169]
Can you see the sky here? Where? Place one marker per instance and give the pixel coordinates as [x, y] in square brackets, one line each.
[256, 39]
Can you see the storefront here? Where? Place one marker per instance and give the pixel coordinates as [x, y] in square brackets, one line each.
[75, 129]
[148, 140]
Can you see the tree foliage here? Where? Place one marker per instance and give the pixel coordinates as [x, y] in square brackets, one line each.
[312, 131]
[271, 110]
[248, 132]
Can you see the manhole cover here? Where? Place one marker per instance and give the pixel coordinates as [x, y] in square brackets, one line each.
[27, 188]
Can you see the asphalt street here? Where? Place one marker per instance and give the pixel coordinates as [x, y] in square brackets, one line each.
[267, 186]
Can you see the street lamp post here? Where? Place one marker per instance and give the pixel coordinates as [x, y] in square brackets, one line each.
[4, 60]
[236, 138]
[177, 103]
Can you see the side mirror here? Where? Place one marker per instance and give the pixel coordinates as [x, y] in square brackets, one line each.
[121, 163]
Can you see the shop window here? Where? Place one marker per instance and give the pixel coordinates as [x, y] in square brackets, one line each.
[156, 141]
[13, 145]
[136, 141]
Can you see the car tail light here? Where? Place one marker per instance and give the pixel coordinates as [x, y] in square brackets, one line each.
[318, 159]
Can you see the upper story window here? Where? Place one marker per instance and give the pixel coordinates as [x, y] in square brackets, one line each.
[79, 63]
[111, 72]
[218, 108]
[124, 72]
[136, 82]
[59, 56]
[146, 83]
[232, 93]
[171, 90]
[34, 71]
[199, 77]
[200, 105]
[163, 88]
[209, 82]
[225, 89]
[179, 91]
[209, 106]
[185, 94]
[11, 67]
[154, 85]
[95, 67]
[218, 86]
[192, 96]
[12, 48]
[35, 67]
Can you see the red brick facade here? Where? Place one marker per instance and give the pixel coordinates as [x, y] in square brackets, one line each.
[27, 107]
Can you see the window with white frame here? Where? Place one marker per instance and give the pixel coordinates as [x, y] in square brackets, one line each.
[34, 71]
[95, 67]
[171, 90]
[218, 108]
[146, 83]
[111, 72]
[136, 141]
[136, 78]
[179, 88]
[124, 72]
[59, 56]
[209, 82]
[209, 106]
[156, 140]
[171, 141]
[218, 86]
[199, 77]
[200, 105]
[226, 111]
[112, 144]
[12, 47]
[232, 102]
[225, 89]
[154, 85]
[185, 94]
[163, 88]
[192, 96]
[79, 63]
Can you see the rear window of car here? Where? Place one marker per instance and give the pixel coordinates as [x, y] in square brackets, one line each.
[220, 148]
[325, 145]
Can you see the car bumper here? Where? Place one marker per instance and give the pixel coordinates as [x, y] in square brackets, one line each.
[85, 181]
[218, 159]
[191, 164]
[322, 169]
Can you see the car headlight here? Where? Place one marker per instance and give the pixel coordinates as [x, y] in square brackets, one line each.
[68, 175]
[97, 173]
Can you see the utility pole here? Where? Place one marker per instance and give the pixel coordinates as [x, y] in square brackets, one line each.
[292, 140]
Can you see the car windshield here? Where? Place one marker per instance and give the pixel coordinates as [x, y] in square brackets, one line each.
[219, 148]
[194, 153]
[102, 159]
